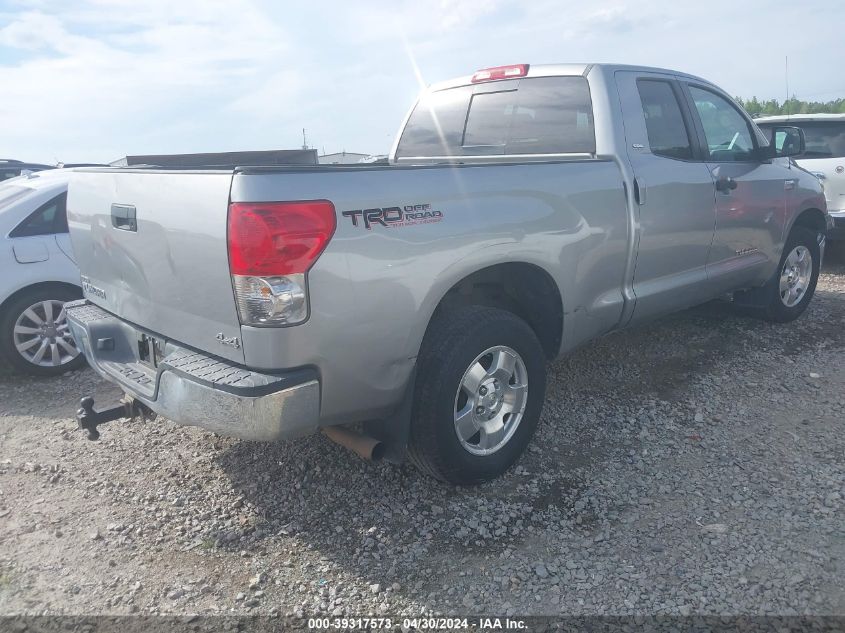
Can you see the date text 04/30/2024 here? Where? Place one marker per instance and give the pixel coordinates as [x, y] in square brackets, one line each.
[431, 624]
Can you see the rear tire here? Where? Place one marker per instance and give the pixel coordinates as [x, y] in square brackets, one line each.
[27, 313]
[481, 370]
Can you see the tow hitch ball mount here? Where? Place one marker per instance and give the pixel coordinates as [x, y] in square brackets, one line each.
[89, 419]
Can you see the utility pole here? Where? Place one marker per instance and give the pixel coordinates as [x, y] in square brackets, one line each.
[786, 75]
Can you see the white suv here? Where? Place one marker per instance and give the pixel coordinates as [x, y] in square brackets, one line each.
[39, 275]
[824, 157]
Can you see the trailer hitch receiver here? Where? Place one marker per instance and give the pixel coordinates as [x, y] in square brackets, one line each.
[89, 419]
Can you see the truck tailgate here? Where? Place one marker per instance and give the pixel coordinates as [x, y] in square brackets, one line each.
[151, 246]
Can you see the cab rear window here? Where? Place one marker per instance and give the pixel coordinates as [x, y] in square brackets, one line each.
[542, 115]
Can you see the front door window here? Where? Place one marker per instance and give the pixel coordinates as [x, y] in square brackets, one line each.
[728, 134]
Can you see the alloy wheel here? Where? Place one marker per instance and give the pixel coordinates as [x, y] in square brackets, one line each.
[795, 276]
[42, 335]
[491, 400]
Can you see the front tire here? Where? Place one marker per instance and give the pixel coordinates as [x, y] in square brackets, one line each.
[34, 334]
[788, 293]
[479, 391]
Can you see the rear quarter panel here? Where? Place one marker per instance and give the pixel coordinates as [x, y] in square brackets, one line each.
[57, 268]
[373, 290]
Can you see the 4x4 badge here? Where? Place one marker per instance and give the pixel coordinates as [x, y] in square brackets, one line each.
[231, 341]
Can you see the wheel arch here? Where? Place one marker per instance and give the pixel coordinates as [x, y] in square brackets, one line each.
[522, 288]
[4, 305]
[486, 277]
[811, 218]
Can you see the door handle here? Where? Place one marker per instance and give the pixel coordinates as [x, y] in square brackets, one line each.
[640, 191]
[123, 217]
[725, 184]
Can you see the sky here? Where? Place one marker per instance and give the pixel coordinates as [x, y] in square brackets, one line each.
[95, 80]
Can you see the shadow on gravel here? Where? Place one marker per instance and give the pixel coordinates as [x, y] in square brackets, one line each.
[834, 257]
[824, 325]
[381, 523]
[55, 398]
[378, 519]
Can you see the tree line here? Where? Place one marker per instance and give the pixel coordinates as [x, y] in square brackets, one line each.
[755, 107]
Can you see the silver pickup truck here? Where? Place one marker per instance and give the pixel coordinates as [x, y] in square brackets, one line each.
[523, 212]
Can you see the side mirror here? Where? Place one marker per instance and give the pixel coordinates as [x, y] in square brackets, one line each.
[786, 140]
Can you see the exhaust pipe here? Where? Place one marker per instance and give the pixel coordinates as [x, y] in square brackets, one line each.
[368, 448]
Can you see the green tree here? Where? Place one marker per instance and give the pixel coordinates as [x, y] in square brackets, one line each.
[793, 105]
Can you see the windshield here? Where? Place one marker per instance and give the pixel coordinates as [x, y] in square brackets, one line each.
[824, 140]
[542, 115]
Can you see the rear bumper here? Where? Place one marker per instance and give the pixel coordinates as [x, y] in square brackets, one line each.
[837, 231]
[196, 389]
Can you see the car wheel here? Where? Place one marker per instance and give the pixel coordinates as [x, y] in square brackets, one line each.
[789, 292]
[479, 391]
[34, 333]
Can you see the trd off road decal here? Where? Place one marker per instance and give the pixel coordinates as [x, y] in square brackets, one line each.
[408, 215]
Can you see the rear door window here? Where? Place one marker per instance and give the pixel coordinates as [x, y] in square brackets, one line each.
[542, 115]
[667, 132]
[49, 218]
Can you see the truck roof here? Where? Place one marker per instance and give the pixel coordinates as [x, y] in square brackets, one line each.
[783, 118]
[552, 70]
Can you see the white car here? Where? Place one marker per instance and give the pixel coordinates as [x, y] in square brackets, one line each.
[824, 156]
[39, 275]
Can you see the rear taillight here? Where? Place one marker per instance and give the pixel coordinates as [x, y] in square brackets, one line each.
[272, 245]
[278, 238]
[500, 72]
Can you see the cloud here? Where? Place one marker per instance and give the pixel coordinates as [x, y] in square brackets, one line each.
[97, 79]
[272, 94]
[455, 13]
[103, 68]
[35, 31]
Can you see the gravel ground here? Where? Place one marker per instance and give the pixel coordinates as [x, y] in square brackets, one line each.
[692, 466]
